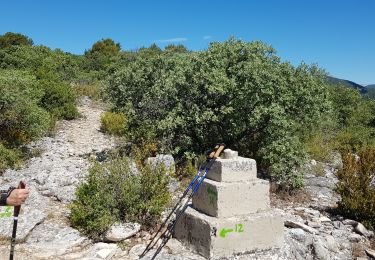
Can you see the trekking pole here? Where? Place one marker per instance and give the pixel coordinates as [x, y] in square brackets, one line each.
[16, 212]
[150, 244]
[196, 187]
[210, 162]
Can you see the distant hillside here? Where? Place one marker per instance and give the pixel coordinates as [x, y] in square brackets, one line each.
[371, 91]
[347, 83]
[370, 86]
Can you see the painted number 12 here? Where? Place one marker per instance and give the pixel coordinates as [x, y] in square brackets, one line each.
[238, 228]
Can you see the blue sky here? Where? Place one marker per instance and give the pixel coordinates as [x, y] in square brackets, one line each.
[338, 35]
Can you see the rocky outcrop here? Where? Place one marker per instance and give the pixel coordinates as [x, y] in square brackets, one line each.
[120, 231]
[43, 230]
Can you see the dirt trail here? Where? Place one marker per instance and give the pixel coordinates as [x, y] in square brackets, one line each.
[44, 230]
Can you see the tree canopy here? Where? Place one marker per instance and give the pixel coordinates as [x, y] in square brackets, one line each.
[12, 39]
[235, 92]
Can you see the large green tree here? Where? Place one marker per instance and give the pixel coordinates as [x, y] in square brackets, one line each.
[102, 54]
[235, 92]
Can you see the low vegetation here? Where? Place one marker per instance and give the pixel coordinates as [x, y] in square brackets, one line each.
[117, 191]
[9, 158]
[113, 123]
[355, 187]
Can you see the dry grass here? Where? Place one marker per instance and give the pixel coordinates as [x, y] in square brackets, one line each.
[93, 91]
[358, 250]
[283, 198]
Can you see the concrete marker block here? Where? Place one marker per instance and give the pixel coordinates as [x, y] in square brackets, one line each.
[233, 170]
[221, 199]
[225, 237]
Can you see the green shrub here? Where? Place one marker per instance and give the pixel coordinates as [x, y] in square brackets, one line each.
[67, 67]
[235, 92]
[21, 119]
[186, 171]
[58, 98]
[318, 148]
[12, 39]
[143, 150]
[102, 54]
[354, 138]
[357, 196]
[113, 123]
[113, 191]
[348, 127]
[8, 158]
[371, 93]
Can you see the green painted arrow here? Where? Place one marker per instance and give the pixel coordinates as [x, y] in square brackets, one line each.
[6, 213]
[224, 232]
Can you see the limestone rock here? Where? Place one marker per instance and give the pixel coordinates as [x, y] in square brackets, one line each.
[120, 231]
[230, 154]
[306, 228]
[137, 250]
[320, 251]
[174, 184]
[331, 244]
[298, 234]
[360, 229]
[355, 238]
[372, 183]
[54, 240]
[32, 213]
[324, 219]
[338, 225]
[350, 222]
[165, 159]
[370, 253]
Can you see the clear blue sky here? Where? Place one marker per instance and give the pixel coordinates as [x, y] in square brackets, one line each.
[338, 35]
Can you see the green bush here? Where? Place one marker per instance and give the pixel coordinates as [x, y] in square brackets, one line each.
[102, 54]
[371, 93]
[12, 39]
[113, 191]
[235, 92]
[113, 123]
[347, 128]
[354, 138]
[8, 158]
[66, 66]
[350, 107]
[319, 147]
[352, 122]
[58, 99]
[357, 196]
[21, 119]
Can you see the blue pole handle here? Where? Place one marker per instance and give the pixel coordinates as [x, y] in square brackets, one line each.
[193, 181]
[200, 181]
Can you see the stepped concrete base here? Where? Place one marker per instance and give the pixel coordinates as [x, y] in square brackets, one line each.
[233, 170]
[215, 237]
[220, 199]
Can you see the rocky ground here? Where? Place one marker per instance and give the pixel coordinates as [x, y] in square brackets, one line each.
[311, 231]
